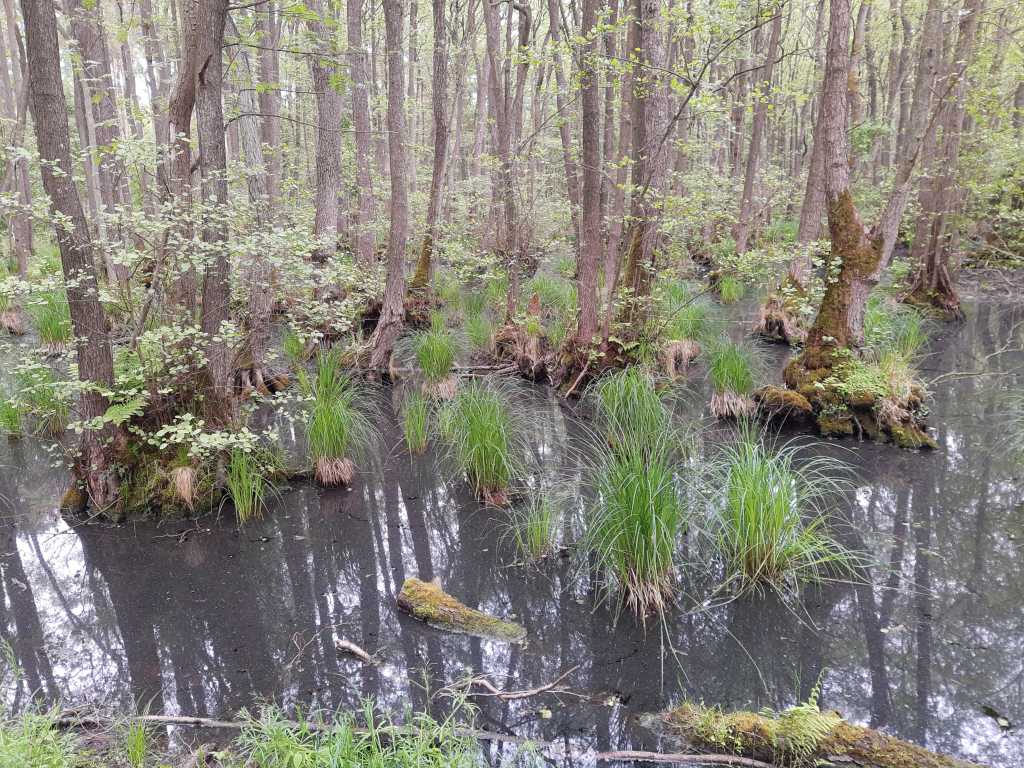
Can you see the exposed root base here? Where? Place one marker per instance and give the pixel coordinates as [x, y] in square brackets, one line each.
[11, 321]
[944, 306]
[427, 602]
[527, 351]
[332, 472]
[440, 390]
[779, 322]
[778, 404]
[729, 405]
[799, 737]
[866, 414]
[676, 357]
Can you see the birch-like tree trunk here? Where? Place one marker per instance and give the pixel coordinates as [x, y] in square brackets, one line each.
[364, 205]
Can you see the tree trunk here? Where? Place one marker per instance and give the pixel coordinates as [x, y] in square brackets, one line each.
[270, 103]
[861, 253]
[211, 16]
[590, 247]
[20, 220]
[328, 136]
[364, 202]
[393, 309]
[935, 233]
[746, 218]
[650, 166]
[95, 463]
[439, 99]
[572, 180]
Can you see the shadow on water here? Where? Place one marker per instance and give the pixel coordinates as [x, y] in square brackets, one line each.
[199, 617]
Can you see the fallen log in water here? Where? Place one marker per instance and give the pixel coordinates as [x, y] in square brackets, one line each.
[802, 735]
[427, 602]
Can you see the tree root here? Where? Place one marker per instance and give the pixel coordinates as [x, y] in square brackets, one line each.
[779, 322]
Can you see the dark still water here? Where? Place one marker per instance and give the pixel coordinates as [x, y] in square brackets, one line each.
[202, 618]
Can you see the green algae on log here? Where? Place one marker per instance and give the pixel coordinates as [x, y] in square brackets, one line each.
[426, 601]
[797, 737]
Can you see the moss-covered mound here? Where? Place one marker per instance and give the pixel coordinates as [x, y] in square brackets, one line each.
[879, 401]
[779, 403]
[427, 602]
[798, 737]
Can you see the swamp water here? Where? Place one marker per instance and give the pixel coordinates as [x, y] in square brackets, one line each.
[199, 617]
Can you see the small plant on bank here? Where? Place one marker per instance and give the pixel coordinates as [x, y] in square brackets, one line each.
[436, 350]
[341, 424]
[768, 518]
[52, 319]
[33, 739]
[10, 419]
[135, 744]
[247, 484]
[416, 422]
[484, 440]
[293, 347]
[732, 372]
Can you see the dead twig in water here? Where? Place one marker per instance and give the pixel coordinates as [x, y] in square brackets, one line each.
[483, 682]
[346, 646]
[680, 759]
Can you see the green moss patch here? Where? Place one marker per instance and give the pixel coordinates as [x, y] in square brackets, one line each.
[427, 602]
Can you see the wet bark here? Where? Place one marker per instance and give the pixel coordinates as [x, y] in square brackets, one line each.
[95, 464]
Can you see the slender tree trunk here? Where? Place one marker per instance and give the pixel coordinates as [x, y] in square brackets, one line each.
[20, 220]
[364, 202]
[95, 464]
[439, 99]
[590, 247]
[393, 309]
[270, 103]
[935, 233]
[746, 218]
[211, 17]
[572, 180]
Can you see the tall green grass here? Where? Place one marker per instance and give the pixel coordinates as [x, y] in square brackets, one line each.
[247, 485]
[416, 422]
[436, 350]
[732, 369]
[556, 294]
[10, 418]
[769, 515]
[293, 347]
[631, 409]
[52, 318]
[893, 327]
[730, 289]
[484, 439]
[34, 740]
[39, 394]
[479, 331]
[269, 741]
[634, 526]
[534, 526]
[341, 420]
[135, 741]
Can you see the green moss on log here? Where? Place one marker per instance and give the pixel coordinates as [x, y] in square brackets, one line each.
[798, 737]
[427, 602]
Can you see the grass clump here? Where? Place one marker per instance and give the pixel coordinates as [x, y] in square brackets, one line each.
[416, 422]
[436, 351]
[730, 289]
[10, 419]
[340, 426]
[732, 371]
[33, 739]
[534, 527]
[293, 347]
[52, 318]
[42, 396]
[768, 522]
[637, 519]
[479, 331]
[135, 741]
[247, 484]
[270, 741]
[484, 439]
[631, 409]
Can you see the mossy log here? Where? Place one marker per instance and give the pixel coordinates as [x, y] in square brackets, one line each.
[427, 602]
[801, 736]
[778, 403]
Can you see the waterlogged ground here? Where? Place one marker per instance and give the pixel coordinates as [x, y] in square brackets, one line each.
[203, 618]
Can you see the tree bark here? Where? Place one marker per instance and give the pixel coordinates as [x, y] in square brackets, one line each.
[393, 309]
[364, 202]
[20, 220]
[95, 464]
[270, 103]
[590, 247]
[572, 179]
[211, 16]
[745, 221]
[439, 101]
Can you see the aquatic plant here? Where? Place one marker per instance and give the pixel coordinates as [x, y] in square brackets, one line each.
[10, 419]
[341, 420]
[631, 409]
[893, 327]
[293, 347]
[135, 743]
[634, 525]
[52, 318]
[732, 369]
[33, 739]
[474, 303]
[484, 439]
[416, 422]
[730, 289]
[533, 527]
[42, 396]
[436, 351]
[768, 520]
[247, 484]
